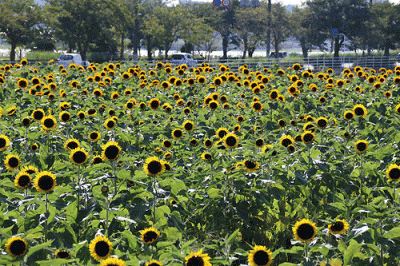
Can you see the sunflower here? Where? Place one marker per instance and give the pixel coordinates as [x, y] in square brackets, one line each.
[361, 146]
[71, 144]
[360, 110]
[81, 115]
[26, 121]
[78, 156]
[213, 105]
[113, 262]
[250, 165]
[259, 143]
[97, 159]
[197, 259]
[64, 116]
[260, 256]
[11, 111]
[393, 173]
[346, 135]
[22, 180]
[236, 128]
[34, 147]
[208, 143]
[155, 262]
[98, 93]
[188, 126]
[388, 94]
[273, 95]
[222, 132]
[62, 254]
[111, 151]
[231, 140]
[286, 140]
[304, 230]
[100, 248]
[281, 123]
[206, 156]
[110, 123]
[45, 181]
[167, 144]
[23, 83]
[322, 99]
[149, 235]
[48, 122]
[12, 162]
[322, 122]
[4, 142]
[348, 115]
[154, 103]
[16, 246]
[307, 137]
[339, 227]
[153, 166]
[177, 133]
[257, 106]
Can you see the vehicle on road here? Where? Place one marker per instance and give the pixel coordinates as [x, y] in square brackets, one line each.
[281, 54]
[67, 59]
[183, 58]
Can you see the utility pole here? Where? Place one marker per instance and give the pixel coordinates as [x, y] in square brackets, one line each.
[269, 30]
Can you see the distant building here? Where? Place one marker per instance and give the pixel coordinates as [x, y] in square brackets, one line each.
[253, 3]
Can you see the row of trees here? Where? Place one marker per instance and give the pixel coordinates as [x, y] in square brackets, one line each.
[104, 25]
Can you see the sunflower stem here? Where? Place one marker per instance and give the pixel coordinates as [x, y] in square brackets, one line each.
[77, 193]
[394, 193]
[47, 216]
[106, 223]
[154, 200]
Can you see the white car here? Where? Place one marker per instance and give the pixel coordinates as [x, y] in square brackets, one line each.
[67, 59]
[183, 58]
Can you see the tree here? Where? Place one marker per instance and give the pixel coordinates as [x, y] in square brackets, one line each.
[385, 25]
[279, 26]
[17, 17]
[250, 26]
[347, 16]
[300, 27]
[80, 22]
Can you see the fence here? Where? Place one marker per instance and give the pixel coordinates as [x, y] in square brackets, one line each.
[313, 63]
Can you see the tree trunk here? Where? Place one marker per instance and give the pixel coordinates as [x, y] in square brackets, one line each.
[12, 51]
[121, 55]
[135, 39]
[225, 46]
[387, 47]
[251, 51]
[245, 47]
[276, 45]
[149, 47]
[304, 47]
[82, 51]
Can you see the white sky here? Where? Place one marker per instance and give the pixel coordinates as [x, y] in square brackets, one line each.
[284, 2]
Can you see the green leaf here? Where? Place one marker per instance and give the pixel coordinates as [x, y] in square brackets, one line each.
[123, 174]
[213, 193]
[160, 212]
[352, 249]
[232, 238]
[32, 250]
[393, 233]
[55, 262]
[189, 243]
[131, 239]
[52, 213]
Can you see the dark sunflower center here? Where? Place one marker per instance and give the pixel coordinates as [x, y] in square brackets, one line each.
[274, 95]
[38, 115]
[65, 117]
[110, 124]
[208, 143]
[178, 133]
[63, 254]
[91, 111]
[322, 123]
[102, 248]
[231, 141]
[195, 261]
[142, 106]
[25, 122]
[249, 164]
[337, 226]
[346, 134]
[291, 148]
[257, 106]
[221, 134]
[167, 167]
[79, 157]
[154, 104]
[24, 180]
[240, 119]
[111, 152]
[218, 81]
[17, 247]
[394, 174]
[282, 123]
[49, 123]
[154, 264]
[305, 231]
[322, 100]
[154, 167]
[188, 126]
[150, 236]
[130, 105]
[34, 147]
[207, 156]
[167, 144]
[3, 143]
[213, 105]
[193, 142]
[93, 135]
[261, 257]
[97, 160]
[22, 83]
[46, 182]
[308, 137]
[13, 162]
[286, 142]
[359, 111]
[259, 142]
[361, 146]
[72, 145]
[349, 116]
[81, 115]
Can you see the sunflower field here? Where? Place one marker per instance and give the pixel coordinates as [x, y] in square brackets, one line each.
[121, 164]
